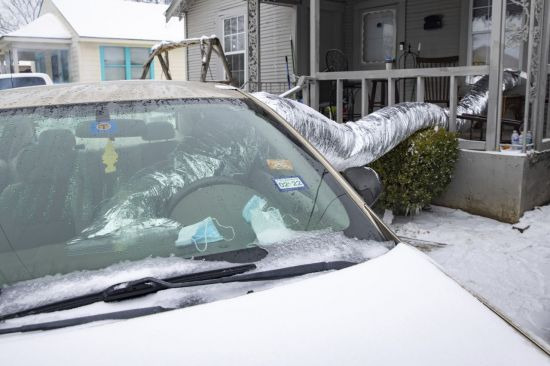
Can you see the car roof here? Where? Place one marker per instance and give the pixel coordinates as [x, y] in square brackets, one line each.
[112, 91]
[25, 75]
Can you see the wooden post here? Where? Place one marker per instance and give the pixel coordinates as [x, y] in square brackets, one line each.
[340, 101]
[391, 92]
[164, 67]
[314, 32]
[494, 110]
[420, 92]
[206, 62]
[217, 47]
[452, 104]
[364, 97]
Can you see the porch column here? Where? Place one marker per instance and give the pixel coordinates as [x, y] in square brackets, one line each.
[254, 75]
[494, 110]
[314, 30]
[14, 61]
[544, 46]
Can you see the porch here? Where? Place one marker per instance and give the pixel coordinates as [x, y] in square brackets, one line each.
[486, 38]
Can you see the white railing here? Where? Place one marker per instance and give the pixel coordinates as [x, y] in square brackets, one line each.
[396, 74]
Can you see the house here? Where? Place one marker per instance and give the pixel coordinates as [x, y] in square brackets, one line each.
[80, 40]
[360, 55]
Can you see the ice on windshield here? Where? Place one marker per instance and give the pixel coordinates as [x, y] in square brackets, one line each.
[307, 247]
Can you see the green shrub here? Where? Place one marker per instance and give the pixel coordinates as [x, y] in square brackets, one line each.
[417, 170]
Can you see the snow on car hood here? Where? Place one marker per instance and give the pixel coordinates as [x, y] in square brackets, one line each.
[396, 309]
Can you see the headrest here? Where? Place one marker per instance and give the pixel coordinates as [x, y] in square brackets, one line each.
[51, 157]
[15, 135]
[155, 131]
[111, 128]
[57, 138]
[4, 174]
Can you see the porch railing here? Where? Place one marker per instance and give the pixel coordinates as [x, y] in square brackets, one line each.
[396, 74]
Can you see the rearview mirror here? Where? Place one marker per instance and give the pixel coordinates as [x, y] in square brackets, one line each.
[366, 182]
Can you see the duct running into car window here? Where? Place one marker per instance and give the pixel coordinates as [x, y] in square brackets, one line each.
[85, 186]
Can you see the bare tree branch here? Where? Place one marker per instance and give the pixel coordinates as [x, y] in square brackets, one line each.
[16, 13]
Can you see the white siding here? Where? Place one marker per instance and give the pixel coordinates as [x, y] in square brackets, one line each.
[435, 43]
[276, 27]
[438, 42]
[202, 20]
[90, 63]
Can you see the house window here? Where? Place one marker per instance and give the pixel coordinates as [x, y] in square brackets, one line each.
[234, 44]
[123, 63]
[378, 35]
[480, 40]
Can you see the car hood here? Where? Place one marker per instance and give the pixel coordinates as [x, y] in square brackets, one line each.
[396, 309]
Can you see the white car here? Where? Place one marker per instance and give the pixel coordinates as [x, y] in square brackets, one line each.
[158, 222]
[19, 80]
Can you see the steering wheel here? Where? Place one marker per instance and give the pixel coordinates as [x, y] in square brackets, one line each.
[221, 198]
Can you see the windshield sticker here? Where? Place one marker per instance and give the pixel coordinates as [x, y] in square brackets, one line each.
[279, 164]
[286, 184]
[106, 128]
[110, 157]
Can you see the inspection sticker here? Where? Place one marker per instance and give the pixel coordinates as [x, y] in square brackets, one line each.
[285, 184]
[279, 164]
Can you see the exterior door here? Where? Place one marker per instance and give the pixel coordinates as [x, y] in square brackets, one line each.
[378, 27]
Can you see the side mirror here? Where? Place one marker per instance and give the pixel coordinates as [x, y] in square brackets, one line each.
[366, 182]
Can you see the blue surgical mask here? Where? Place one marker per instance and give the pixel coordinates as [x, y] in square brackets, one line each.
[254, 203]
[203, 232]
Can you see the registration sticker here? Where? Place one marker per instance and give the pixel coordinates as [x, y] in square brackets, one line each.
[279, 164]
[104, 128]
[286, 184]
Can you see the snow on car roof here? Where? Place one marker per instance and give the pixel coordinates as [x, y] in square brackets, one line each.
[111, 91]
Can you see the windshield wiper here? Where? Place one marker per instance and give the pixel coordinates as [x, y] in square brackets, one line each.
[128, 290]
[148, 285]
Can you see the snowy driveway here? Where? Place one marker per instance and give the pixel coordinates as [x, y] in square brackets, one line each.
[508, 268]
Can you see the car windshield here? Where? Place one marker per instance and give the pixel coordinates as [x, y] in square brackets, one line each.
[95, 186]
[20, 81]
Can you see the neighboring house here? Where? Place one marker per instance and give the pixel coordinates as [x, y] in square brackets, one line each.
[82, 40]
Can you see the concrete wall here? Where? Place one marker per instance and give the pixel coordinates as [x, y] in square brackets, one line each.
[497, 185]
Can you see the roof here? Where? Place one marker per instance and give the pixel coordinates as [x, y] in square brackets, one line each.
[118, 19]
[45, 26]
[111, 91]
[107, 19]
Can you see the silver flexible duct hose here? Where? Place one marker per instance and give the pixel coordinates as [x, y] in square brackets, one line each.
[353, 144]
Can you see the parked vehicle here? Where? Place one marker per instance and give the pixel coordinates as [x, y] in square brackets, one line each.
[157, 222]
[10, 81]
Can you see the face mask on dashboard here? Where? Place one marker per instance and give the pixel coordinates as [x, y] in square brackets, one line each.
[255, 203]
[202, 232]
[269, 226]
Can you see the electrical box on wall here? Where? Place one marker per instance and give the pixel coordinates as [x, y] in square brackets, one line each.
[433, 22]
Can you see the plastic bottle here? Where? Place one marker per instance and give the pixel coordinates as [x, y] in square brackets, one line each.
[529, 138]
[515, 140]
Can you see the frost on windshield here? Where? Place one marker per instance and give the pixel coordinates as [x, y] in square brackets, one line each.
[307, 247]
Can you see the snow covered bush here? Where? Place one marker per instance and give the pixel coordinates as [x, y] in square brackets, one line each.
[417, 170]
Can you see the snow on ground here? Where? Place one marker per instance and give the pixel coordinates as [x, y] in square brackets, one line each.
[508, 268]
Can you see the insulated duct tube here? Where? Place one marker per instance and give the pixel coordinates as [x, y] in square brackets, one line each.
[354, 144]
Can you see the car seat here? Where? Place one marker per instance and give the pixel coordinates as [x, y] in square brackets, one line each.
[35, 210]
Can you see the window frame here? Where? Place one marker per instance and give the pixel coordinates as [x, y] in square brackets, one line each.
[394, 50]
[244, 51]
[471, 33]
[127, 62]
